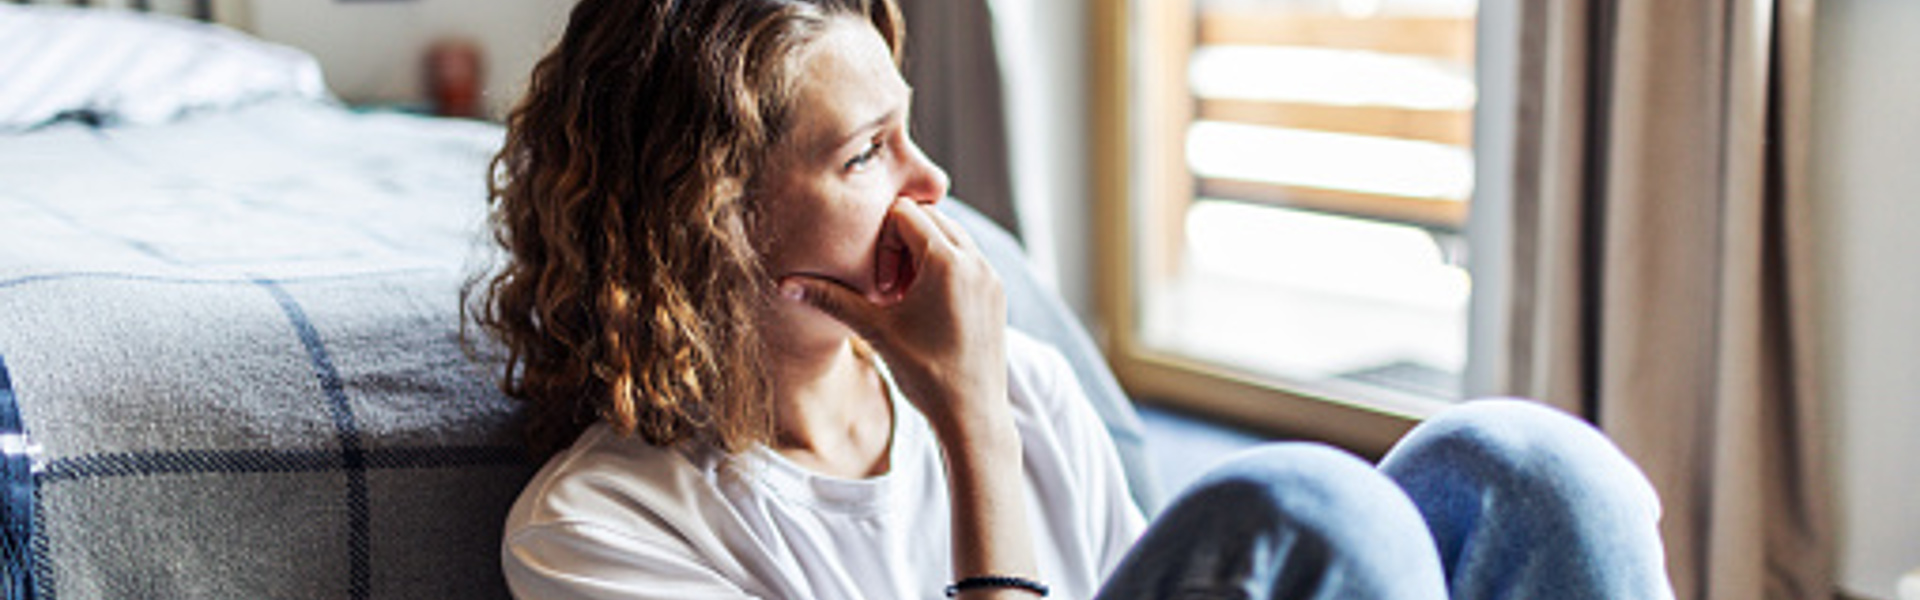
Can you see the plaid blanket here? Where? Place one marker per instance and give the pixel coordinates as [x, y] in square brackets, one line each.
[230, 366]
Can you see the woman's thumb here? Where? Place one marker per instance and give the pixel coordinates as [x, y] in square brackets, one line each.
[834, 298]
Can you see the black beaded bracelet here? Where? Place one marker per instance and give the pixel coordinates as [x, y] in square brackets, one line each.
[996, 581]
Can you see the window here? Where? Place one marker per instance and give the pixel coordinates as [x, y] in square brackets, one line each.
[1284, 188]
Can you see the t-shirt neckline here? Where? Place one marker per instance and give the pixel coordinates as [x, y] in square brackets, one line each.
[766, 468]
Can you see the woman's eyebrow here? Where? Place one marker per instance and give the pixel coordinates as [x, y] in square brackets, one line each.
[876, 123]
[864, 128]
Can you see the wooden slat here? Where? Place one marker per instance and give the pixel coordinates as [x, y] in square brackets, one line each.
[1452, 127]
[1448, 39]
[1168, 106]
[1429, 212]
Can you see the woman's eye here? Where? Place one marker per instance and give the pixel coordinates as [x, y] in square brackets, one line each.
[865, 156]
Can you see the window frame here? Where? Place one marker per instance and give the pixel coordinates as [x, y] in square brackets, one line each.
[1367, 423]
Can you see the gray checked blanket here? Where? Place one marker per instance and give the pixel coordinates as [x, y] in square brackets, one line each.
[229, 359]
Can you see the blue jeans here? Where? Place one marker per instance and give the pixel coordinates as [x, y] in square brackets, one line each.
[1489, 499]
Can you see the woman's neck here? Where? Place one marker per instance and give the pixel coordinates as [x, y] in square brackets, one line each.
[832, 410]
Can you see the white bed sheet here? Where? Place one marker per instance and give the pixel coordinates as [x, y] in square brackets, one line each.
[289, 188]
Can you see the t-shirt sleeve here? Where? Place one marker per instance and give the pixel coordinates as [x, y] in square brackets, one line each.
[581, 561]
[1099, 482]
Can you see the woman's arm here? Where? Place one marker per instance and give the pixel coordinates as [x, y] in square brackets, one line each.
[943, 337]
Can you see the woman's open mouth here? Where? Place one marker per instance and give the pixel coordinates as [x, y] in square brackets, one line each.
[893, 266]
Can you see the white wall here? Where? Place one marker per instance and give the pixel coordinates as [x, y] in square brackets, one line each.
[1866, 176]
[372, 51]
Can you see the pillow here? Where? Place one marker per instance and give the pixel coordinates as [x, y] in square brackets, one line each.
[119, 66]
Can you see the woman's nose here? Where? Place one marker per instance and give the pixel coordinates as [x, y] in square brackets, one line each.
[926, 182]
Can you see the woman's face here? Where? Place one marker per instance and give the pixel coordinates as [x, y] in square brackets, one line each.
[828, 186]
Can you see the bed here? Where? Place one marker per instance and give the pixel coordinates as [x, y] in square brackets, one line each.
[230, 355]
[228, 344]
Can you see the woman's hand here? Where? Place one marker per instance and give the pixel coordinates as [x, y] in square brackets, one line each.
[940, 325]
[940, 329]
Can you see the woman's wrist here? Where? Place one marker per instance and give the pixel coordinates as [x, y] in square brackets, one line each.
[986, 435]
[987, 488]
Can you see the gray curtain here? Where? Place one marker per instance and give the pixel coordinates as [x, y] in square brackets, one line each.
[959, 111]
[1662, 274]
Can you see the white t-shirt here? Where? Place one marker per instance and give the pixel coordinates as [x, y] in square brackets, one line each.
[614, 517]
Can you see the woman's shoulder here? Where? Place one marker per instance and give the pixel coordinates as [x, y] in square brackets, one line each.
[619, 483]
[615, 511]
[1037, 374]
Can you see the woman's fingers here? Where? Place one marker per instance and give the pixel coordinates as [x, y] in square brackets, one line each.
[955, 232]
[917, 226]
[915, 234]
[842, 303]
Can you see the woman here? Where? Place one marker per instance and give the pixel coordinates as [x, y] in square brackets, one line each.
[770, 369]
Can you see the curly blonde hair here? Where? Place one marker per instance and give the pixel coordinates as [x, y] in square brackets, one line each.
[630, 285]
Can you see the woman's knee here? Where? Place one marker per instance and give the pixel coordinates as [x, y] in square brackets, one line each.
[1297, 477]
[1327, 494]
[1524, 501]
[1289, 517]
[1530, 448]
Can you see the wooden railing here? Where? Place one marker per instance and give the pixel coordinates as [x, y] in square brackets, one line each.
[1449, 39]
[1444, 40]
